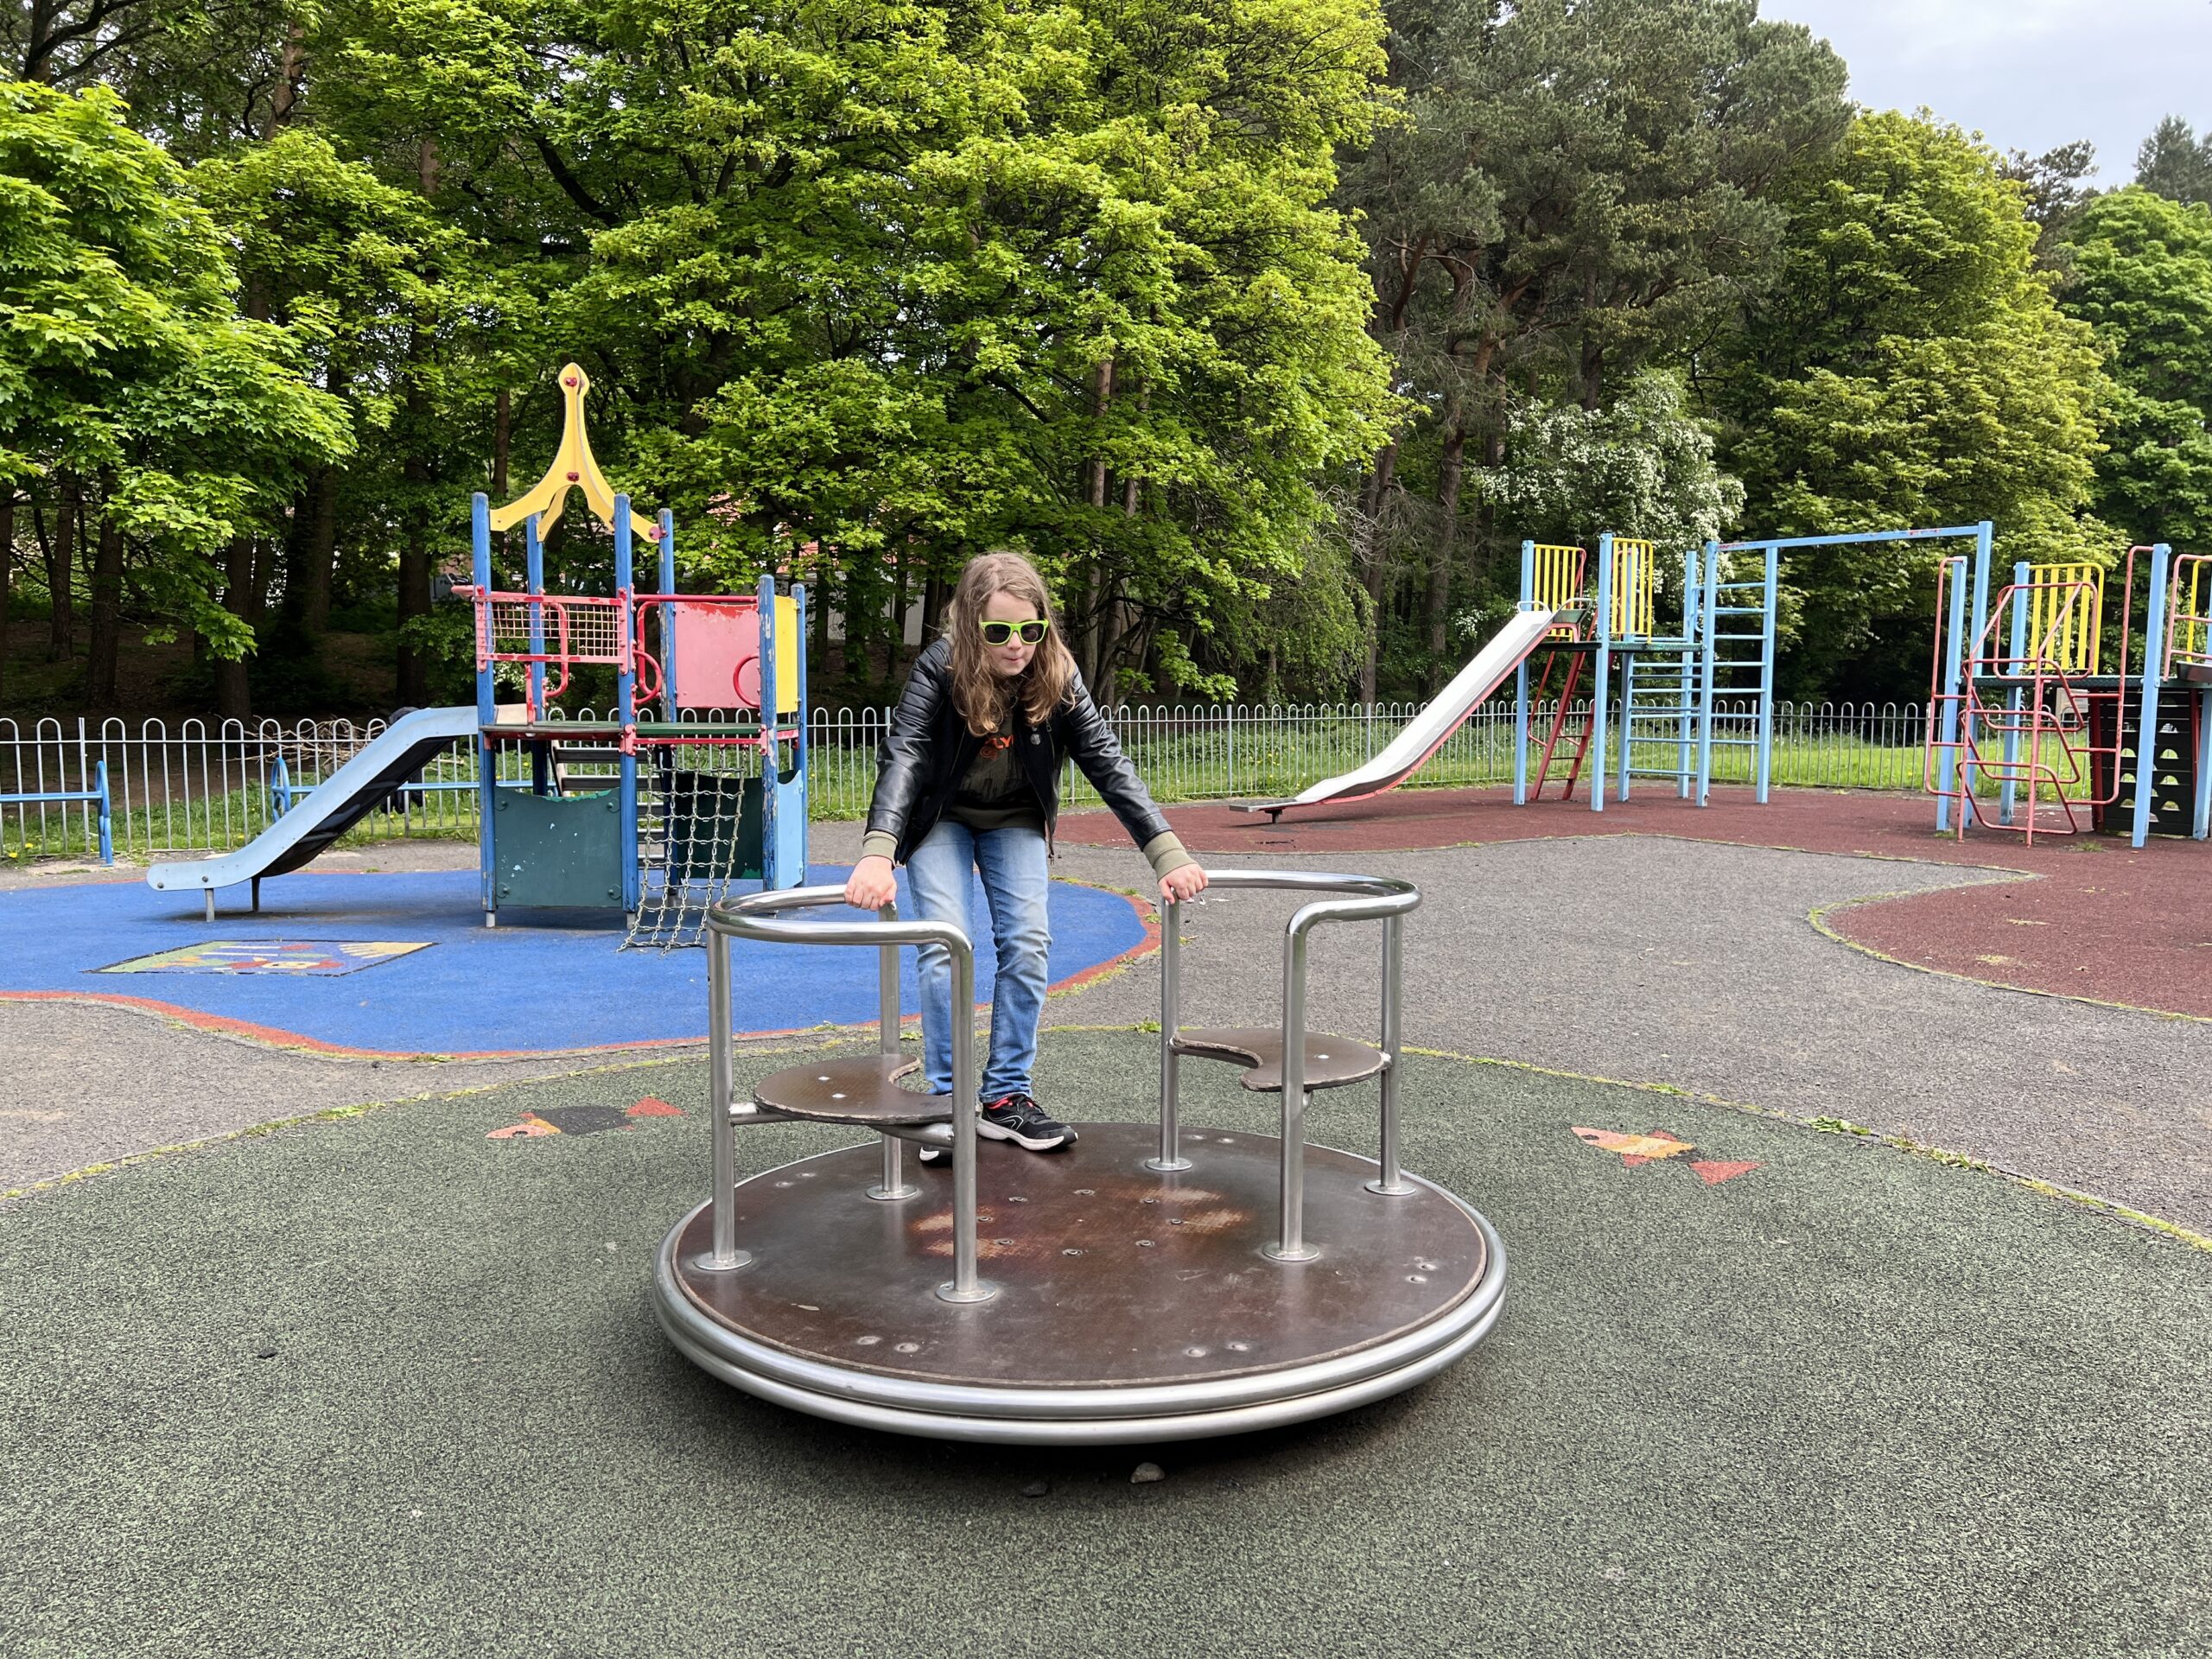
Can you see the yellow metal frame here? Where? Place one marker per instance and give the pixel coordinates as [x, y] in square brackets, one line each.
[2193, 631]
[2073, 625]
[1557, 577]
[573, 467]
[1636, 588]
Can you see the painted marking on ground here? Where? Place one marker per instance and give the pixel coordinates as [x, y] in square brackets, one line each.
[319, 959]
[583, 1120]
[1657, 1145]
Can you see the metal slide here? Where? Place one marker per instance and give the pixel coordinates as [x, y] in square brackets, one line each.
[328, 810]
[1425, 734]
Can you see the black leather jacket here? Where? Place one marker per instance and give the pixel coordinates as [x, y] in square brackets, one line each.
[929, 749]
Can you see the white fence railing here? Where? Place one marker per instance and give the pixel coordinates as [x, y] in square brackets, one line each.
[201, 785]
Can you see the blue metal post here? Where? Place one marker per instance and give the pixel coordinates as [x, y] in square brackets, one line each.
[2201, 824]
[1685, 702]
[107, 820]
[534, 585]
[1773, 579]
[280, 787]
[1603, 678]
[2154, 663]
[488, 759]
[1521, 683]
[2015, 701]
[626, 708]
[667, 614]
[772, 817]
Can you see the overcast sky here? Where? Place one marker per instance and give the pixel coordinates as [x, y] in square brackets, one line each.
[2029, 74]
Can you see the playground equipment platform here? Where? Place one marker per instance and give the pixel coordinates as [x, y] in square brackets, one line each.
[1132, 1305]
[1141, 1284]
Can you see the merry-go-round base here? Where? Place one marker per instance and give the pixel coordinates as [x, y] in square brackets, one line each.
[1131, 1305]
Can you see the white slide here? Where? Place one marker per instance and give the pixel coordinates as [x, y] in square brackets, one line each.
[1425, 734]
[391, 760]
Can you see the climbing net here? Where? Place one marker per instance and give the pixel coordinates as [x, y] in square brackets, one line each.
[699, 833]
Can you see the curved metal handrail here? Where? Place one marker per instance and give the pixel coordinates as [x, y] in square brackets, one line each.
[1385, 899]
[754, 916]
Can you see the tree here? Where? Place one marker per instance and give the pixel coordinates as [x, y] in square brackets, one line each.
[2143, 281]
[2175, 162]
[1909, 368]
[130, 387]
[1579, 191]
[2056, 191]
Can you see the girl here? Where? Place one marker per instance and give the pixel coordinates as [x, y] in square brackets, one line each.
[968, 778]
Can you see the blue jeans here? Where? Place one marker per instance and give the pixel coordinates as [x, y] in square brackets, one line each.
[1012, 862]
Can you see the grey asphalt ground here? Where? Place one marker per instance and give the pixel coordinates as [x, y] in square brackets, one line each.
[1853, 1402]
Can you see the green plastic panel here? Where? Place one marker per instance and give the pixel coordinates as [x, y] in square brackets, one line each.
[557, 852]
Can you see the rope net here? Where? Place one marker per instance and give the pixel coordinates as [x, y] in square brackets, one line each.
[699, 835]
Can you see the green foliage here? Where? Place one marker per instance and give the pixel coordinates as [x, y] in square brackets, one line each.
[2143, 280]
[2174, 162]
[123, 363]
[1909, 368]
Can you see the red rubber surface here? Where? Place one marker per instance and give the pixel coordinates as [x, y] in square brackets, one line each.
[2105, 921]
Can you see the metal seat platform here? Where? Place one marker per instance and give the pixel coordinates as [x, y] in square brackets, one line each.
[864, 1092]
[1330, 1062]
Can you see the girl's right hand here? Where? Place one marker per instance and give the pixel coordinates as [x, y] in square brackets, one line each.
[872, 884]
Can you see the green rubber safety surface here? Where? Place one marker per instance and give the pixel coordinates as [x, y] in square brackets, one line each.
[1755, 1390]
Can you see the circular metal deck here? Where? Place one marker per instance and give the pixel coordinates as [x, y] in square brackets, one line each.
[1130, 1306]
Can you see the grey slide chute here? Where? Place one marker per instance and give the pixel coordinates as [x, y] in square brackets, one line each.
[390, 759]
[1425, 732]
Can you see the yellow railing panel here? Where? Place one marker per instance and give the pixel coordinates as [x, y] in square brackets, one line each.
[1635, 586]
[2066, 616]
[1559, 576]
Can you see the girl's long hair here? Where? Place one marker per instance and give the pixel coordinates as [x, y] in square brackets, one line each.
[985, 698]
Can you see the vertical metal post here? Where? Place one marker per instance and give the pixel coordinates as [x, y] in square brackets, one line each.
[487, 757]
[1603, 677]
[1968, 807]
[666, 642]
[1692, 595]
[625, 707]
[107, 830]
[1628, 724]
[894, 1183]
[534, 585]
[1766, 671]
[772, 876]
[1708, 673]
[1948, 768]
[1170, 1019]
[2017, 650]
[1390, 1180]
[1521, 683]
[2154, 666]
[965, 1285]
[1292, 1245]
[801, 742]
[723, 1255]
[2200, 821]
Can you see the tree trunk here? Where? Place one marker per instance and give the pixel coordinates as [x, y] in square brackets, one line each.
[61, 573]
[503, 435]
[1099, 588]
[233, 699]
[292, 66]
[7, 578]
[1451, 474]
[895, 663]
[319, 551]
[935, 593]
[106, 618]
[1378, 572]
[415, 548]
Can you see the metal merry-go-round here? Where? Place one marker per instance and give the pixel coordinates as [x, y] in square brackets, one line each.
[1148, 1282]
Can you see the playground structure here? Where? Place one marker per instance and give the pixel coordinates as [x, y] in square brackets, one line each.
[1652, 706]
[1225, 1283]
[2019, 698]
[698, 779]
[1660, 715]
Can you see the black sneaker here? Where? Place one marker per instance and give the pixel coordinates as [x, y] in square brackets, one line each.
[1022, 1121]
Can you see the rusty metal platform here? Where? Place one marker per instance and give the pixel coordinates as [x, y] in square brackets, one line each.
[1131, 1305]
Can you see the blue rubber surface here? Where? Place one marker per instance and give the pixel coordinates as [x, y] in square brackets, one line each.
[539, 981]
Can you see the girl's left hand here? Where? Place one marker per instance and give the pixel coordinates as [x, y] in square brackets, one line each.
[1188, 882]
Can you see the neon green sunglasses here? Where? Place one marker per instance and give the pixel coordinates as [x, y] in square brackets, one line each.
[1033, 631]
